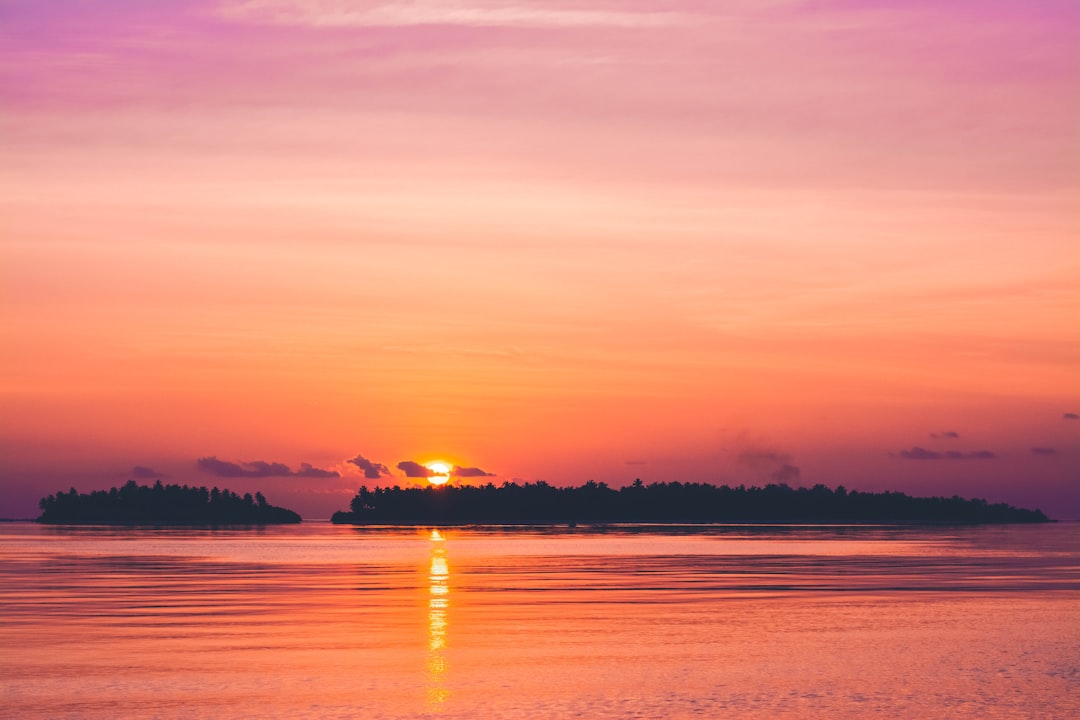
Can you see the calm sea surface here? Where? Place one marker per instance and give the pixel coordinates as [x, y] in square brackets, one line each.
[320, 621]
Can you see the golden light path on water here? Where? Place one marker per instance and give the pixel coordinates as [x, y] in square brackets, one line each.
[438, 603]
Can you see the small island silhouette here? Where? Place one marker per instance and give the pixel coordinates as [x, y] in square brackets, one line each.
[160, 504]
[542, 504]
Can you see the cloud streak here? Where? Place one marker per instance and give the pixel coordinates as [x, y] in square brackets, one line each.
[259, 469]
[775, 463]
[786, 473]
[918, 453]
[468, 472]
[345, 13]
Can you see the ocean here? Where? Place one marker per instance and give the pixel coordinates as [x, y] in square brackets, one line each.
[324, 621]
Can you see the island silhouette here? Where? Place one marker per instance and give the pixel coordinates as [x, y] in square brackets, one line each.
[134, 504]
[539, 503]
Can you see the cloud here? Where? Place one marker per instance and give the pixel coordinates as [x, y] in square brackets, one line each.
[1071, 416]
[414, 469]
[947, 435]
[140, 472]
[775, 463]
[221, 468]
[306, 470]
[372, 470]
[259, 469]
[786, 474]
[918, 453]
[470, 472]
[637, 462]
[758, 457]
[346, 13]
[1043, 451]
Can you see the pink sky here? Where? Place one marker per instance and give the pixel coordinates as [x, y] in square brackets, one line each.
[553, 240]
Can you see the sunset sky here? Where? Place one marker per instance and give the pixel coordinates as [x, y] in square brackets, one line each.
[245, 242]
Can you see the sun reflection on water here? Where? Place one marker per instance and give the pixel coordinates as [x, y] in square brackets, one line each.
[438, 603]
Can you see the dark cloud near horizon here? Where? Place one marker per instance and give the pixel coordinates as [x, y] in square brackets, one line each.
[259, 469]
[415, 469]
[1043, 451]
[470, 472]
[372, 470]
[775, 463]
[1071, 416]
[755, 457]
[918, 453]
[947, 435]
[224, 468]
[307, 470]
[141, 472]
[262, 468]
[786, 473]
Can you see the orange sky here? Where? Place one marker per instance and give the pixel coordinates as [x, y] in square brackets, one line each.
[551, 240]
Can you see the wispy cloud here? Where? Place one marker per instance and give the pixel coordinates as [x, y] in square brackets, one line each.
[755, 457]
[786, 473]
[947, 435]
[775, 463]
[414, 469]
[1071, 416]
[1043, 451]
[344, 13]
[918, 453]
[140, 472]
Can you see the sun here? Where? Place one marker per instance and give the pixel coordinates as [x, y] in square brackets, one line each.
[440, 473]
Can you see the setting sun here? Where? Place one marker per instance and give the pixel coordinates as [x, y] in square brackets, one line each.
[441, 473]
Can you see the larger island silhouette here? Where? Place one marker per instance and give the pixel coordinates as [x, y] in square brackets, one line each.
[159, 504]
[663, 502]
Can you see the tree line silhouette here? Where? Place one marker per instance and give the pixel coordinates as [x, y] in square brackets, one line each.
[540, 503]
[161, 505]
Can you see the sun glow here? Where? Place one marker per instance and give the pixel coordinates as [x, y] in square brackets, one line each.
[440, 473]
